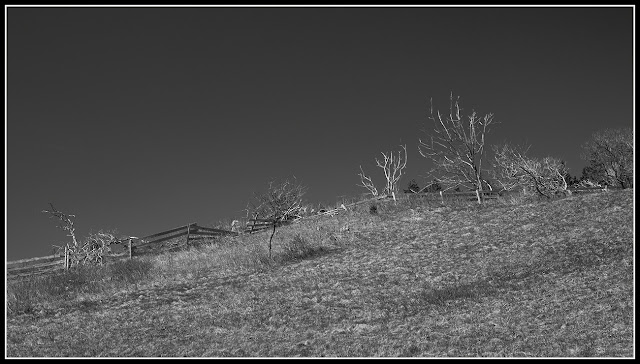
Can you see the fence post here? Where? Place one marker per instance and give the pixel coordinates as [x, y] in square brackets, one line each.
[441, 197]
[188, 230]
[130, 242]
[66, 259]
[254, 223]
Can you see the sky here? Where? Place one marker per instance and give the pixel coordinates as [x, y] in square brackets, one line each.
[142, 119]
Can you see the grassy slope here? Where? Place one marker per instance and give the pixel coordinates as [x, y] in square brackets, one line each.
[549, 279]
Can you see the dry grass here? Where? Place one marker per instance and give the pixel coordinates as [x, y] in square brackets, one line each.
[416, 279]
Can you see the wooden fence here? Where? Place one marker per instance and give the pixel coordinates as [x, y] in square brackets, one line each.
[153, 244]
[36, 266]
[257, 225]
[488, 195]
[133, 246]
[467, 195]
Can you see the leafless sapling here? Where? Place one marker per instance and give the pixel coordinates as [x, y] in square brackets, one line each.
[281, 202]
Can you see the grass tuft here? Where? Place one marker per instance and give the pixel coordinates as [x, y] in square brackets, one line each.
[373, 209]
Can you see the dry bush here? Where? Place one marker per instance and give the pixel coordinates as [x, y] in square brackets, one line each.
[515, 170]
[610, 154]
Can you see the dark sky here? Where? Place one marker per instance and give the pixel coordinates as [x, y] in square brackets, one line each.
[144, 119]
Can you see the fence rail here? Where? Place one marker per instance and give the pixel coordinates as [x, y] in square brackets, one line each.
[26, 268]
[257, 225]
[493, 194]
[34, 261]
[150, 244]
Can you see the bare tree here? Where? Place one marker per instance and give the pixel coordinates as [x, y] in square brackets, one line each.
[66, 222]
[280, 203]
[91, 251]
[611, 151]
[366, 182]
[588, 184]
[513, 169]
[456, 146]
[392, 167]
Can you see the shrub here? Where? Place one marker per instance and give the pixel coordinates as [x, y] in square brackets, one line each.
[296, 248]
[514, 169]
[373, 209]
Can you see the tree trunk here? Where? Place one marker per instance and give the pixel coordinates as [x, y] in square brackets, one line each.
[479, 190]
[271, 238]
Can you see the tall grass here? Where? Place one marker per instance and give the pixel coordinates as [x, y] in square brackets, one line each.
[41, 292]
[244, 252]
[224, 255]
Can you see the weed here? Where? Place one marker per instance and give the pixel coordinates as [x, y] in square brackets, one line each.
[373, 209]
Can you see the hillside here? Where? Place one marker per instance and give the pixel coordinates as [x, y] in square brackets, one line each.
[547, 279]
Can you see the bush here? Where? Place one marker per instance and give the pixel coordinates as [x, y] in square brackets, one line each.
[296, 248]
[373, 209]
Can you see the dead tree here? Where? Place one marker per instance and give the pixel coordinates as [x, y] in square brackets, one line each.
[366, 182]
[456, 146]
[513, 168]
[392, 167]
[66, 222]
[92, 251]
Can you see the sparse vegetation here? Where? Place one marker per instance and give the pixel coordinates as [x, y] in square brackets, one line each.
[503, 279]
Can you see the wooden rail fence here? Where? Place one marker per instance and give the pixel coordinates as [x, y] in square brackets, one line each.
[257, 225]
[134, 246]
[473, 195]
[151, 244]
